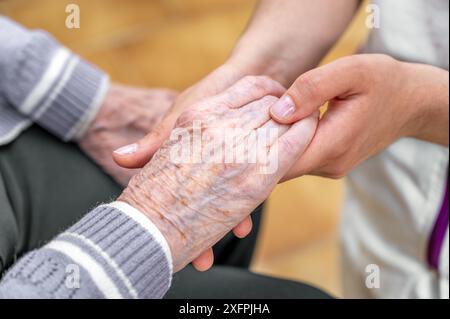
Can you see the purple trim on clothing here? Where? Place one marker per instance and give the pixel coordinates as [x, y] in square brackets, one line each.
[438, 233]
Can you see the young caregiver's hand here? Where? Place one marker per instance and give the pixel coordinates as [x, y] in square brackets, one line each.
[197, 187]
[373, 101]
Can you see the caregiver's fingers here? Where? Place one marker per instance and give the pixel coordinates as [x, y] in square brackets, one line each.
[311, 159]
[292, 144]
[243, 228]
[204, 261]
[341, 78]
[138, 154]
[270, 132]
[322, 158]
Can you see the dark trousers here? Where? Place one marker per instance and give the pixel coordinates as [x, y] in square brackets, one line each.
[47, 185]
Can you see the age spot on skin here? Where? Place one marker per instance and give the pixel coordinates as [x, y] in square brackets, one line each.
[184, 201]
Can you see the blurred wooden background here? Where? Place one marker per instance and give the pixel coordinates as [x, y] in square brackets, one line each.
[174, 43]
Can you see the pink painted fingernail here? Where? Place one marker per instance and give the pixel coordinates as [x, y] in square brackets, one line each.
[127, 149]
[284, 107]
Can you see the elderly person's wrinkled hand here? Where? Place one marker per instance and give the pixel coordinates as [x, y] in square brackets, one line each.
[196, 189]
[126, 114]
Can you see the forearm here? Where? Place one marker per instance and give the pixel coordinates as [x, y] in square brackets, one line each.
[286, 38]
[283, 40]
[113, 252]
[428, 98]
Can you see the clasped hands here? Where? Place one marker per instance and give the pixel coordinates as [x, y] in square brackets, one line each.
[195, 204]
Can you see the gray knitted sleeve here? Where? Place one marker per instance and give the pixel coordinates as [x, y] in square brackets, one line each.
[113, 252]
[45, 83]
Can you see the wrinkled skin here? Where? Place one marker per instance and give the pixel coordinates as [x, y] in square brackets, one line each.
[195, 204]
[126, 115]
[216, 82]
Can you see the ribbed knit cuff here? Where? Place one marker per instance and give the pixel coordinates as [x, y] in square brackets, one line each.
[124, 253]
[74, 102]
[47, 83]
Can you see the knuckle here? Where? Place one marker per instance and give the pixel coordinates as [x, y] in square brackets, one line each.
[360, 65]
[368, 65]
[266, 81]
[260, 84]
[268, 100]
[249, 80]
[356, 62]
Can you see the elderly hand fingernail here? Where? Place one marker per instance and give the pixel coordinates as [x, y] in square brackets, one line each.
[127, 149]
[284, 107]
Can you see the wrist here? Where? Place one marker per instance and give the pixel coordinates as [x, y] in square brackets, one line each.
[426, 95]
[276, 58]
[147, 192]
[97, 113]
[249, 61]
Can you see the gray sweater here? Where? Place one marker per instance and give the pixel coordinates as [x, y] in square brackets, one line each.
[114, 251]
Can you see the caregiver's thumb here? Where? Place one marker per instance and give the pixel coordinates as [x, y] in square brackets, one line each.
[315, 87]
[137, 154]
